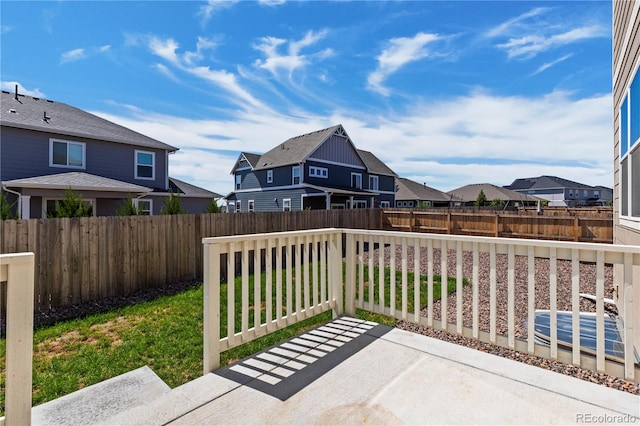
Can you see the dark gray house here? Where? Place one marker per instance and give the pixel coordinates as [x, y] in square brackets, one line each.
[47, 147]
[561, 192]
[319, 170]
[411, 194]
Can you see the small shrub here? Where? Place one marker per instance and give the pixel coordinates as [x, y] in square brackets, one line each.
[213, 206]
[172, 205]
[481, 200]
[128, 208]
[72, 206]
[6, 208]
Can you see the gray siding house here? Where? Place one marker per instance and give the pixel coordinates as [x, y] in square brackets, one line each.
[318, 170]
[411, 194]
[561, 192]
[47, 147]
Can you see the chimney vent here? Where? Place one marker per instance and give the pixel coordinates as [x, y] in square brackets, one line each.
[16, 95]
[45, 117]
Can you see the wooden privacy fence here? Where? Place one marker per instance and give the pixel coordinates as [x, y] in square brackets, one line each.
[594, 226]
[86, 259]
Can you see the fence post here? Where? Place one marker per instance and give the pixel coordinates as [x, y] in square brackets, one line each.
[211, 326]
[497, 225]
[18, 269]
[576, 229]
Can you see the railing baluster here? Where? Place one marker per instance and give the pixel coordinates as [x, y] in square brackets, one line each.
[575, 306]
[316, 256]
[492, 293]
[392, 277]
[325, 287]
[231, 293]
[404, 278]
[600, 311]
[257, 284]
[459, 319]
[298, 256]
[268, 290]
[279, 282]
[430, 282]
[361, 271]
[372, 281]
[531, 299]
[288, 272]
[511, 304]
[350, 275]
[476, 291]
[444, 281]
[245, 291]
[416, 280]
[627, 303]
[381, 289]
[308, 263]
[553, 302]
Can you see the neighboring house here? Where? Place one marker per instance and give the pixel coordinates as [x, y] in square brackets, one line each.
[626, 145]
[48, 147]
[468, 194]
[561, 192]
[318, 170]
[411, 194]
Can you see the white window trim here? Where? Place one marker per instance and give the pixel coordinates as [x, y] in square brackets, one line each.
[67, 166]
[136, 202]
[153, 165]
[238, 206]
[356, 186]
[626, 219]
[251, 205]
[376, 179]
[293, 176]
[285, 202]
[319, 172]
[92, 201]
[269, 176]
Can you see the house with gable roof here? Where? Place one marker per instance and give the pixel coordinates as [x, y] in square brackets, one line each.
[48, 147]
[562, 192]
[412, 194]
[317, 170]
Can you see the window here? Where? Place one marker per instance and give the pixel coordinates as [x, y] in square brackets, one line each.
[596, 194]
[359, 204]
[145, 161]
[238, 181]
[585, 193]
[238, 206]
[385, 204]
[286, 205]
[145, 207]
[295, 175]
[66, 154]
[269, 176]
[630, 151]
[356, 180]
[373, 183]
[320, 172]
[49, 206]
[250, 205]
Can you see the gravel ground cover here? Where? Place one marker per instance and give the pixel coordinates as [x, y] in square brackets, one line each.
[542, 271]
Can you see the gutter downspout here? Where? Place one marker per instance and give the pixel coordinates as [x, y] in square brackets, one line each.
[5, 188]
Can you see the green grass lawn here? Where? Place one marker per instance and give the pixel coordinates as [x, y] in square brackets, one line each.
[165, 334]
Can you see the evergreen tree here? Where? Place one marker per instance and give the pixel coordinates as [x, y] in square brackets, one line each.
[172, 205]
[128, 208]
[481, 200]
[72, 206]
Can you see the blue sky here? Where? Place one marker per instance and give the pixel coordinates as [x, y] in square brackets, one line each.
[446, 93]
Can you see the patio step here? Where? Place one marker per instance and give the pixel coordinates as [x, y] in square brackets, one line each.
[176, 403]
[99, 402]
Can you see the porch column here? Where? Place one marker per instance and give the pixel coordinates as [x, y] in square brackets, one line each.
[351, 202]
[25, 207]
[328, 200]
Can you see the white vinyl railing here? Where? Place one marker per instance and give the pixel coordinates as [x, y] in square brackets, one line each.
[295, 275]
[17, 271]
[499, 284]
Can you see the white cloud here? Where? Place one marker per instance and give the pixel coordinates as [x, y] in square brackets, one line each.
[212, 6]
[72, 55]
[475, 138]
[401, 51]
[10, 86]
[530, 45]
[104, 48]
[167, 49]
[509, 25]
[294, 59]
[271, 2]
[548, 65]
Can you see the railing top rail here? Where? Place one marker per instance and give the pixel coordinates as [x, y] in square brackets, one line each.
[269, 235]
[498, 240]
[7, 258]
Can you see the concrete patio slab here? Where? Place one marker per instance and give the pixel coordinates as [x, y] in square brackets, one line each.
[398, 377]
